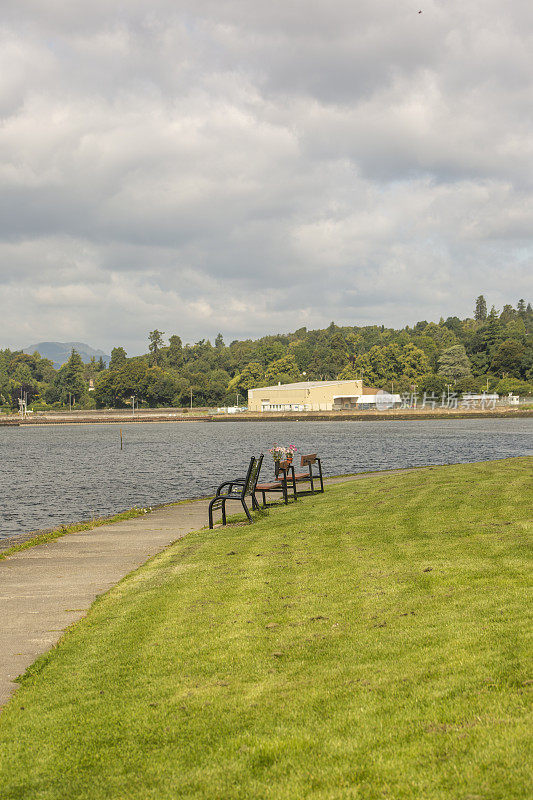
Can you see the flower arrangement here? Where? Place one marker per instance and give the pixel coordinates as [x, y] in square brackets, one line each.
[281, 453]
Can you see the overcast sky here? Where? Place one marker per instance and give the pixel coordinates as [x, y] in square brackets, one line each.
[251, 167]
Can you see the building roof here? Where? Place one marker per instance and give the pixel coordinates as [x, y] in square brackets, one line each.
[302, 385]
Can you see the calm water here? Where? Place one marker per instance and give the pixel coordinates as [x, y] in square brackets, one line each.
[60, 474]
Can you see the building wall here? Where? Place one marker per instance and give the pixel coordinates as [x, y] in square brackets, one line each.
[318, 397]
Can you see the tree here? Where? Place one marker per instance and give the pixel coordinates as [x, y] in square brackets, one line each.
[252, 376]
[283, 370]
[268, 350]
[175, 352]
[508, 358]
[219, 341]
[508, 314]
[454, 324]
[454, 363]
[493, 332]
[155, 338]
[118, 358]
[338, 353]
[413, 362]
[432, 384]
[70, 380]
[513, 386]
[480, 312]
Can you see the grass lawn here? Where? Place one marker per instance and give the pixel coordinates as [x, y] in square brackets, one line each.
[371, 642]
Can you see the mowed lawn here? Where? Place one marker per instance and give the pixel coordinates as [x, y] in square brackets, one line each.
[372, 642]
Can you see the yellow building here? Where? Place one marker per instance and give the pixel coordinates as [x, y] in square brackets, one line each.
[306, 396]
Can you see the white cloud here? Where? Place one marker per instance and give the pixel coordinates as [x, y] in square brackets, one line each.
[252, 167]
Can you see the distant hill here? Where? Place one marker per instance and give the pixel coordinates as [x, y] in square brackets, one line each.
[59, 352]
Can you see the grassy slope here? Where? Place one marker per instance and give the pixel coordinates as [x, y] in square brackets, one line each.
[368, 643]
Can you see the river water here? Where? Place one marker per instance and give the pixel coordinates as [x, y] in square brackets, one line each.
[59, 474]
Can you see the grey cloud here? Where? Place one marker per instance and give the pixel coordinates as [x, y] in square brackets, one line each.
[253, 167]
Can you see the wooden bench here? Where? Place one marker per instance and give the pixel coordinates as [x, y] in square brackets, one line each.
[308, 476]
[280, 484]
[237, 489]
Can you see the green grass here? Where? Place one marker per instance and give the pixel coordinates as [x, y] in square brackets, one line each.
[75, 527]
[371, 642]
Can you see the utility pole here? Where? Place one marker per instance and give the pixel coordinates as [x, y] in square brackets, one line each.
[22, 404]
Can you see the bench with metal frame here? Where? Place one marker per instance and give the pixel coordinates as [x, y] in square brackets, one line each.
[280, 485]
[237, 489]
[309, 476]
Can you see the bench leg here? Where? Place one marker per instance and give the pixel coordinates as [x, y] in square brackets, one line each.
[223, 512]
[211, 504]
[294, 486]
[320, 475]
[247, 512]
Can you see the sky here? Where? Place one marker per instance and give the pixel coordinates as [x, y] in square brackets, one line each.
[199, 166]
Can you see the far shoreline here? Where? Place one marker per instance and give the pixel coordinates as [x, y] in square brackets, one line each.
[157, 416]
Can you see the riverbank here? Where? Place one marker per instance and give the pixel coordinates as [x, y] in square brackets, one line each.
[93, 558]
[60, 474]
[371, 641]
[155, 415]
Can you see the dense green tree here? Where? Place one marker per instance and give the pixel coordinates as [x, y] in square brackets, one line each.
[268, 350]
[252, 375]
[508, 314]
[432, 385]
[508, 359]
[480, 312]
[70, 381]
[175, 352]
[118, 358]
[413, 362]
[496, 345]
[493, 332]
[454, 324]
[338, 356]
[156, 342]
[454, 363]
[283, 370]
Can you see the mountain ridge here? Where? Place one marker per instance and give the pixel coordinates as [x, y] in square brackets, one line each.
[59, 352]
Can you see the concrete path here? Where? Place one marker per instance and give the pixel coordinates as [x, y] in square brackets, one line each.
[46, 588]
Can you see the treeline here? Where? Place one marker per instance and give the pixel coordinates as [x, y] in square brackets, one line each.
[488, 351]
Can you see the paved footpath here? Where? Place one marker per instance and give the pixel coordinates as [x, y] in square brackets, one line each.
[46, 588]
